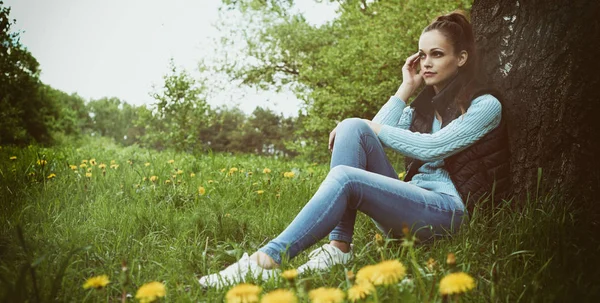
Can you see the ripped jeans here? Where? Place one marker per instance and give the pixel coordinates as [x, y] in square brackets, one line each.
[362, 178]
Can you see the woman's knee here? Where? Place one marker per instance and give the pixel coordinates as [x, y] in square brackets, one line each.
[352, 124]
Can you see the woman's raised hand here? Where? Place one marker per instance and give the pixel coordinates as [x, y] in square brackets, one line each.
[411, 78]
[331, 139]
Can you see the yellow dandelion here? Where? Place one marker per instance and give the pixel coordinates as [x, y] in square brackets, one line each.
[233, 170]
[360, 291]
[326, 295]
[451, 259]
[279, 296]
[401, 175]
[153, 178]
[385, 273]
[147, 164]
[73, 167]
[210, 181]
[227, 215]
[114, 166]
[92, 162]
[84, 161]
[42, 162]
[13, 158]
[167, 181]
[223, 170]
[51, 176]
[289, 174]
[31, 174]
[192, 175]
[456, 283]
[249, 173]
[180, 172]
[113, 161]
[278, 195]
[260, 192]
[102, 166]
[379, 239]
[150, 292]
[96, 282]
[255, 183]
[83, 165]
[350, 275]
[201, 190]
[171, 161]
[431, 264]
[266, 171]
[89, 175]
[89, 169]
[243, 293]
[130, 162]
[290, 274]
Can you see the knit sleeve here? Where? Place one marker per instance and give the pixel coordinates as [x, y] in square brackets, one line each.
[394, 113]
[481, 117]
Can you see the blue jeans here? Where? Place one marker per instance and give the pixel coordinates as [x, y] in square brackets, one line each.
[362, 178]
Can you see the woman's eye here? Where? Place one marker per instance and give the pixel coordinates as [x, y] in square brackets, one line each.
[421, 55]
[437, 54]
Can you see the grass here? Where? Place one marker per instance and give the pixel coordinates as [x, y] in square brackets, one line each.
[56, 233]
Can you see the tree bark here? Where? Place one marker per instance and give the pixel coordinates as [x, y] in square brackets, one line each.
[545, 57]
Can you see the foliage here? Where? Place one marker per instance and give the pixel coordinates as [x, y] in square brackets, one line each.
[75, 227]
[23, 116]
[346, 68]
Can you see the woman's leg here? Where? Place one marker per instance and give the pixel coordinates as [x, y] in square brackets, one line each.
[356, 145]
[390, 202]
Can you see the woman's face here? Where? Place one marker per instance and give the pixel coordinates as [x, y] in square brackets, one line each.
[439, 62]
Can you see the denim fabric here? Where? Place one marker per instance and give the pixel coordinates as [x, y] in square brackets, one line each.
[362, 178]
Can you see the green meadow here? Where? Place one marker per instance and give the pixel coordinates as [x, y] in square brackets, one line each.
[90, 208]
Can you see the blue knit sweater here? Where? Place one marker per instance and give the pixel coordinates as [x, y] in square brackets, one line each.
[480, 118]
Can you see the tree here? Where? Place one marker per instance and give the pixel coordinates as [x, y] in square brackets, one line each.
[543, 55]
[24, 116]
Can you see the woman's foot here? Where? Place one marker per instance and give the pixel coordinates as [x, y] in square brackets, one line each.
[325, 257]
[238, 272]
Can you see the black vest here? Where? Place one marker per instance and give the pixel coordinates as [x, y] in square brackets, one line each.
[482, 168]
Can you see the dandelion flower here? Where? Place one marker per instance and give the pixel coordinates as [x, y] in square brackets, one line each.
[150, 292]
[73, 167]
[167, 181]
[113, 161]
[223, 170]
[147, 164]
[96, 282]
[260, 192]
[84, 161]
[171, 161]
[384, 273]
[179, 172]
[153, 178]
[249, 173]
[210, 181]
[42, 162]
[431, 264]
[266, 171]
[83, 165]
[290, 274]
[89, 175]
[233, 170]
[13, 158]
[243, 293]
[114, 166]
[379, 239]
[102, 166]
[326, 295]
[279, 296]
[456, 283]
[289, 174]
[51, 176]
[401, 175]
[89, 170]
[451, 259]
[92, 162]
[201, 190]
[360, 291]
[192, 175]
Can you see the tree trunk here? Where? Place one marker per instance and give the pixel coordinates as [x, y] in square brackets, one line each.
[545, 57]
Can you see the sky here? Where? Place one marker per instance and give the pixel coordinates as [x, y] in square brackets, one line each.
[121, 48]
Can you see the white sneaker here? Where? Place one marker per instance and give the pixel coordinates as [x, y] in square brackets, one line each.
[237, 273]
[325, 257]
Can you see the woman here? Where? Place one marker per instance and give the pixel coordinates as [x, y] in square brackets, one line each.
[455, 147]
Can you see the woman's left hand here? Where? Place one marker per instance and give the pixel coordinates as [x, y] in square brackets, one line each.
[374, 126]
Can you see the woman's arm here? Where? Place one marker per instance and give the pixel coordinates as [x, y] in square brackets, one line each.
[394, 113]
[481, 117]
